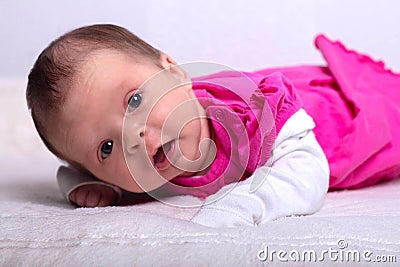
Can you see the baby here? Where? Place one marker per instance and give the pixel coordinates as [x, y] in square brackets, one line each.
[255, 146]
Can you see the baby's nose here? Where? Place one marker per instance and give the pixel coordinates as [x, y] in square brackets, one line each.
[133, 140]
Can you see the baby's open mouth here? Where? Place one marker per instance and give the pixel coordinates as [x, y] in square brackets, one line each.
[160, 158]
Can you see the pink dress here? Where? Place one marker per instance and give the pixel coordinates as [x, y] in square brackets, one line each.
[354, 102]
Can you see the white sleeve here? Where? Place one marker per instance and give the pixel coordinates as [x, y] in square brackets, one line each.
[69, 179]
[294, 181]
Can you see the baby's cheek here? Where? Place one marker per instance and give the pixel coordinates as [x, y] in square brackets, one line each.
[190, 141]
[127, 182]
[115, 171]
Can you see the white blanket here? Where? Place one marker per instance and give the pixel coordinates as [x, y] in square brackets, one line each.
[39, 228]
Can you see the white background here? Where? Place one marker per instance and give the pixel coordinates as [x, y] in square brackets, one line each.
[242, 34]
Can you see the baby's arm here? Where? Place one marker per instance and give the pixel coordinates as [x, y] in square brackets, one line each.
[86, 191]
[292, 182]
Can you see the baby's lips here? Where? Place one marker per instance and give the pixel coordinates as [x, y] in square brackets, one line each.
[160, 157]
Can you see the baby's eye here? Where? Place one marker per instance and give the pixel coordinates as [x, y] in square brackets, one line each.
[135, 101]
[106, 149]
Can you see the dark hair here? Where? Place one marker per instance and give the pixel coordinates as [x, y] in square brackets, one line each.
[54, 69]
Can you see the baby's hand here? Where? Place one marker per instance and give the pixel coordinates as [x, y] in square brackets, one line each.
[93, 195]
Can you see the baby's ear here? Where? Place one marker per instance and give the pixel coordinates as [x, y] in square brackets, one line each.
[168, 63]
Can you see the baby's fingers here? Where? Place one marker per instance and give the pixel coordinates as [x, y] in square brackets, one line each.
[81, 195]
[91, 199]
[108, 197]
[93, 195]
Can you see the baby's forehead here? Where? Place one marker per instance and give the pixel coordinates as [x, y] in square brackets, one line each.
[113, 54]
[101, 73]
[104, 61]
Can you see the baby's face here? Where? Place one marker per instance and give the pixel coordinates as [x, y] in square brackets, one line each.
[133, 136]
